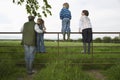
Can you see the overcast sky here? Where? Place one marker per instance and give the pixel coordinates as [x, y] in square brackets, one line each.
[104, 15]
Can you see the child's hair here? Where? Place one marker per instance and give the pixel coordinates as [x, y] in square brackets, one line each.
[85, 12]
[40, 20]
[66, 5]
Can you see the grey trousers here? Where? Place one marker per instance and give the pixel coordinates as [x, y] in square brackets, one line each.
[86, 47]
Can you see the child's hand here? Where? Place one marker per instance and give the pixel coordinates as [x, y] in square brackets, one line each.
[79, 31]
[44, 31]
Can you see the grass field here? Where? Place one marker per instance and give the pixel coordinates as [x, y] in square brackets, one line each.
[68, 64]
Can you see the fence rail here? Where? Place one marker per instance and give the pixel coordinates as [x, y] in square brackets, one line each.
[58, 46]
[61, 32]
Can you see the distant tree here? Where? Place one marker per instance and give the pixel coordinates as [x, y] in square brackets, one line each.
[98, 40]
[107, 39]
[116, 40]
[80, 39]
[32, 7]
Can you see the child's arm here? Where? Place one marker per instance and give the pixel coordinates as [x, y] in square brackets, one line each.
[37, 29]
[79, 29]
[61, 14]
[44, 28]
[80, 25]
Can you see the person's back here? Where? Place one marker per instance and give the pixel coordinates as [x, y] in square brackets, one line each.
[65, 13]
[29, 33]
[29, 41]
[65, 16]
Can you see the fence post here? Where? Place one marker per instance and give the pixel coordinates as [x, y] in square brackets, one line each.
[119, 36]
[92, 53]
[58, 43]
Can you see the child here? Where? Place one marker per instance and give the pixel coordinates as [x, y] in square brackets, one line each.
[86, 27]
[65, 16]
[40, 29]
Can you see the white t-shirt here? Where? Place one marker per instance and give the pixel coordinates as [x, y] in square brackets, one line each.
[84, 23]
[37, 29]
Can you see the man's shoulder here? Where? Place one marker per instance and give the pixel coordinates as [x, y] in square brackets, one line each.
[30, 22]
[26, 23]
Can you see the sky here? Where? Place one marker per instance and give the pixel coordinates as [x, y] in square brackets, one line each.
[104, 15]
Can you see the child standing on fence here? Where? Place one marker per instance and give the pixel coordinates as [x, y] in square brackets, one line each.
[86, 27]
[65, 16]
[40, 29]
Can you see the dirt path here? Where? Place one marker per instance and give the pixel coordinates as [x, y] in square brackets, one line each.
[96, 74]
[28, 77]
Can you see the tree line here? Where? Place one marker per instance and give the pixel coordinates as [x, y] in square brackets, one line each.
[107, 39]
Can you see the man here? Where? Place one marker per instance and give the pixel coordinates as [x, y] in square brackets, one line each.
[29, 41]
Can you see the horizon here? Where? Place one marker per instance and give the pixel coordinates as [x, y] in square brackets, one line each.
[103, 15]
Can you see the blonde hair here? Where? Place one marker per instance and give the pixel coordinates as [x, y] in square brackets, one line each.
[66, 5]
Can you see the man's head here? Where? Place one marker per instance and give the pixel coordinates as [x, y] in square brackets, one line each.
[31, 18]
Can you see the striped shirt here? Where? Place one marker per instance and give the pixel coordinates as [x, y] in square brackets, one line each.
[65, 13]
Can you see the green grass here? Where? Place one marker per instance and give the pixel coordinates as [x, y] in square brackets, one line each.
[113, 73]
[67, 65]
[59, 70]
